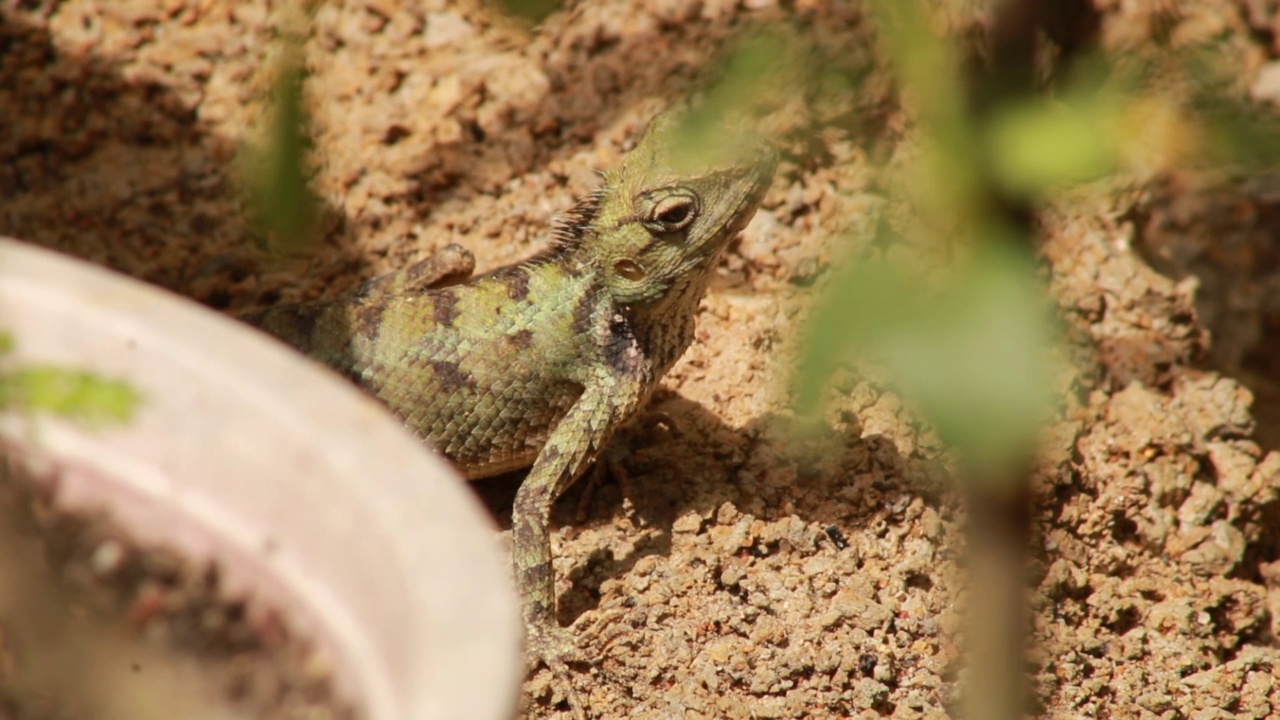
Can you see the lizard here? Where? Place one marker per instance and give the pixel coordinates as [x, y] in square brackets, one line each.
[538, 363]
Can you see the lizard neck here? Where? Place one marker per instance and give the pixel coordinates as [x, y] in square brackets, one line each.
[666, 328]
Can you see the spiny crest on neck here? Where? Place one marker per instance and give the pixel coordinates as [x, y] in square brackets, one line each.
[569, 228]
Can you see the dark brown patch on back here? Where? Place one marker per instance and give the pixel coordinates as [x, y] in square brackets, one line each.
[303, 319]
[366, 320]
[444, 308]
[583, 312]
[517, 282]
[550, 453]
[522, 339]
[452, 377]
[355, 375]
[295, 324]
[370, 286]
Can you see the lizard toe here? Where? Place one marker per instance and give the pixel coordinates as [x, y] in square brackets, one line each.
[555, 649]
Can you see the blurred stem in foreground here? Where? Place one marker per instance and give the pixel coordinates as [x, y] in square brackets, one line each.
[531, 10]
[283, 208]
[970, 351]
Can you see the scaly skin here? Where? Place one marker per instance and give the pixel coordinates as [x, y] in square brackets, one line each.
[538, 363]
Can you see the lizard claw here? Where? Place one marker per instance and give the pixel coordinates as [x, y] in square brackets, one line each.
[552, 647]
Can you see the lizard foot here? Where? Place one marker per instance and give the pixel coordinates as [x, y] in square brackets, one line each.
[554, 648]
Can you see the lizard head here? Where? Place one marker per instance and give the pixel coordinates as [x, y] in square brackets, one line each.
[668, 210]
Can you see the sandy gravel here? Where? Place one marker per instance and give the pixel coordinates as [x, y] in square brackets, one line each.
[745, 576]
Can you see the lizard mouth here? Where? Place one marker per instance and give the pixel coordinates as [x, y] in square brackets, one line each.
[759, 172]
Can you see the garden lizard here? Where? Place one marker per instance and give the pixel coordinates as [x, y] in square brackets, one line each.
[538, 363]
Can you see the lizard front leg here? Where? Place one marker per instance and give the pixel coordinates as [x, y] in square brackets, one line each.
[574, 443]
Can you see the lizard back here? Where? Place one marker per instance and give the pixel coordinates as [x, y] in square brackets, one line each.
[482, 371]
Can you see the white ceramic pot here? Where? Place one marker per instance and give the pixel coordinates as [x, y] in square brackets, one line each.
[307, 493]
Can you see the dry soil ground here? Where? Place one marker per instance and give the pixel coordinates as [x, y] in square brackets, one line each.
[744, 577]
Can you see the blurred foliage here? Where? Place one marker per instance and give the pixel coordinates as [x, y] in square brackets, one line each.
[283, 208]
[753, 74]
[969, 349]
[72, 394]
[533, 10]
[970, 341]
[971, 346]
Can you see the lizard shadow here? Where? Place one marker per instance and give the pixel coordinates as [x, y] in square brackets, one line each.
[688, 470]
[117, 162]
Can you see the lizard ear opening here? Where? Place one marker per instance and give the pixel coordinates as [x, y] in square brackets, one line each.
[629, 269]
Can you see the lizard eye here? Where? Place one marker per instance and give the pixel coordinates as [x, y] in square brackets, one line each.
[673, 213]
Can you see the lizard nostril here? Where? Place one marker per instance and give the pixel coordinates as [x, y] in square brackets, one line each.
[629, 269]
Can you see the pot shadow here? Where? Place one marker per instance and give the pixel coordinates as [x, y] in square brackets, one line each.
[117, 172]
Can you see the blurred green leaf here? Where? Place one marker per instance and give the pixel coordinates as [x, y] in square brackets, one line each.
[72, 394]
[976, 361]
[928, 72]
[760, 69]
[971, 353]
[1038, 146]
[1244, 135]
[863, 301]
